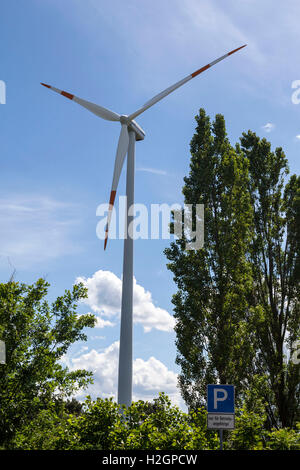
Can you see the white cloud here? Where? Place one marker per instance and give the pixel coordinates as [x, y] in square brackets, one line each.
[104, 298]
[153, 170]
[298, 137]
[268, 127]
[100, 323]
[36, 228]
[149, 377]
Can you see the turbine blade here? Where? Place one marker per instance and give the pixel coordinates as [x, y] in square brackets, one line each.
[119, 161]
[176, 85]
[94, 108]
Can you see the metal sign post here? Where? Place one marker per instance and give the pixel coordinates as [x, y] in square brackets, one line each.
[220, 408]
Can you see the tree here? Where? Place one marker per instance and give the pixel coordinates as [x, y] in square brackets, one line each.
[213, 283]
[274, 253]
[37, 336]
[237, 304]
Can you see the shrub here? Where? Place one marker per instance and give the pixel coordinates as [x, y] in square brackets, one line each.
[102, 425]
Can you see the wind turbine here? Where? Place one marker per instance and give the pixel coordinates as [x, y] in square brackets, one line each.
[130, 132]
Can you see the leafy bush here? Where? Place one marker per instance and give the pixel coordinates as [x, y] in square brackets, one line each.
[102, 425]
[284, 439]
[164, 429]
[47, 431]
[249, 433]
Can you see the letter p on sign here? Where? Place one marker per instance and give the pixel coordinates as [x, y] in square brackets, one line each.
[220, 394]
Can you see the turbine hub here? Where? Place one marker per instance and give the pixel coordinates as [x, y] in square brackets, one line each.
[124, 119]
[133, 126]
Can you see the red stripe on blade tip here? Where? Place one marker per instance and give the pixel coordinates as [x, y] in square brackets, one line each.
[112, 198]
[67, 95]
[194, 74]
[105, 241]
[232, 52]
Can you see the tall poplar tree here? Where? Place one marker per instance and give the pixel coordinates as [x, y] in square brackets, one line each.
[275, 258]
[237, 306]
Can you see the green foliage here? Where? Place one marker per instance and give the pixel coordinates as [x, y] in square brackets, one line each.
[37, 336]
[213, 333]
[284, 439]
[96, 425]
[237, 305]
[48, 431]
[249, 433]
[140, 426]
[166, 428]
[102, 425]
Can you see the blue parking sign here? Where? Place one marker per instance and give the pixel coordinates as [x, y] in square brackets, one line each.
[220, 398]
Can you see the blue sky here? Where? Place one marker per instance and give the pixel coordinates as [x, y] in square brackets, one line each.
[57, 158]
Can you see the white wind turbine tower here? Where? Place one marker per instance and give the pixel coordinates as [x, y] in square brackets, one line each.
[130, 132]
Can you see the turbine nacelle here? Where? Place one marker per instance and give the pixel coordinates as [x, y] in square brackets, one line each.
[124, 119]
[133, 126]
[139, 133]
